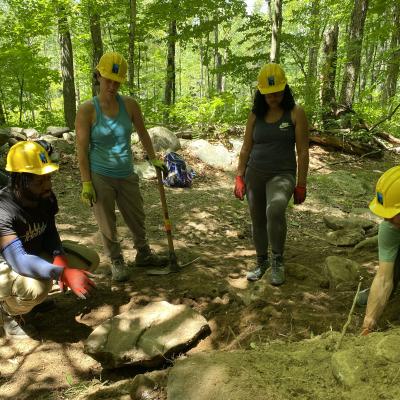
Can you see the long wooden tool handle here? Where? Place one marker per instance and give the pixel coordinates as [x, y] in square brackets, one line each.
[167, 222]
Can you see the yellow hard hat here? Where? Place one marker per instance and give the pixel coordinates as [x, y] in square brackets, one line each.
[29, 157]
[271, 79]
[113, 66]
[386, 203]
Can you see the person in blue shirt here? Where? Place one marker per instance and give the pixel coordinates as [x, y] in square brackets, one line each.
[32, 253]
[104, 126]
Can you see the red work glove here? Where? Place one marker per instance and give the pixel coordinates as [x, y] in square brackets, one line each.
[78, 281]
[365, 332]
[299, 194]
[61, 261]
[240, 187]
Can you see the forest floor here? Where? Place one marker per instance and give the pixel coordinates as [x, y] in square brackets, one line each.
[209, 223]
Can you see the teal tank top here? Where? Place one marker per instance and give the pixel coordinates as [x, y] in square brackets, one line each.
[110, 151]
[273, 148]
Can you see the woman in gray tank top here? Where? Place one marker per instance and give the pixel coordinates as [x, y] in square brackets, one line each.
[274, 153]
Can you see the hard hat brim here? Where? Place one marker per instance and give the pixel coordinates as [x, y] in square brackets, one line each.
[113, 77]
[273, 89]
[383, 212]
[47, 169]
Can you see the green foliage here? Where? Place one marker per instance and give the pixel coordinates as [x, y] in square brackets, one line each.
[204, 112]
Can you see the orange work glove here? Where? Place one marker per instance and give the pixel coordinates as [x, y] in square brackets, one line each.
[240, 187]
[299, 194]
[78, 281]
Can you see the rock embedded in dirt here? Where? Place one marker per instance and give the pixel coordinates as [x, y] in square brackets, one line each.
[337, 223]
[339, 269]
[345, 236]
[57, 131]
[347, 368]
[146, 336]
[368, 244]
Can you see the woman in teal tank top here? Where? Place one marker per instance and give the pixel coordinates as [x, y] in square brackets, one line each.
[103, 130]
[276, 134]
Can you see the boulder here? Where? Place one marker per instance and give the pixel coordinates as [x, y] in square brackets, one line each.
[370, 243]
[345, 236]
[339, 269]
[57, 131]
[146, 336]
[351, 222]
[163, 139]
[31, 133]
[347, 368]
[145, 170]
[216, 156]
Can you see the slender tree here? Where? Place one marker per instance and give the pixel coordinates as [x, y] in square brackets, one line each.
[353, 57]
[393, 62]
[67, 68]
[170, 86]
[276, 15]
[328, 69]
[97, 41]
[132, 40]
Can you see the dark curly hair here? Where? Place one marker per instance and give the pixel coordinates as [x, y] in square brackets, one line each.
[260, 106]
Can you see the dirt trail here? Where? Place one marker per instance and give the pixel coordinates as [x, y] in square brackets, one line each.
[208, 222]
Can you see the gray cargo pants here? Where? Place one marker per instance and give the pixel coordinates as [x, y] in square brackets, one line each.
[268, 196]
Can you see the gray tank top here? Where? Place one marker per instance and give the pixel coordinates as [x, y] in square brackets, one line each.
[273, 148]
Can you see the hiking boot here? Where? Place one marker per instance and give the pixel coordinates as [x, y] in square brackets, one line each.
[277, 270]
[14, 326]
[362, 297]
[259, 271]
[146, 257]
[119, 270]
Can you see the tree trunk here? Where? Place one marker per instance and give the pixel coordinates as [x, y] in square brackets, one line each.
[2, 114]
[393, 65]
[328, 70]
[217, 62]
[67, 70]
[312, 81]
[169, 94]
[132, 39]
[97, 43]
[276, 31]
[353, 57]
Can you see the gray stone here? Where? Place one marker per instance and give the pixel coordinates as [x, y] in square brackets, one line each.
[69, 136]
[216, 156]
[57, 131]
[337, 223]
[163, 139]
[145, 170]
[347, 368]
[339, 269]
[345, 236]
[31, 133]
[367, 244]
[389, 348]
[146, 336]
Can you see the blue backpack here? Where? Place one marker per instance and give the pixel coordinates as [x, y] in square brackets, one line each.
[178, 175]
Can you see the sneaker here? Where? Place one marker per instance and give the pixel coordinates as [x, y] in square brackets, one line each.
[362, 298]
[259, 271]
[277, 270]
[119, 270]
[147, 257]
[14, 326]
